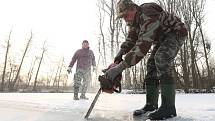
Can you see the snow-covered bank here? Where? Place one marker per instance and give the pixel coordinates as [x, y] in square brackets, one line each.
[115, 107]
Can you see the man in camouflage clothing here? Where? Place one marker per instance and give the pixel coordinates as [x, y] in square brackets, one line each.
[150, 25]
[85, 59]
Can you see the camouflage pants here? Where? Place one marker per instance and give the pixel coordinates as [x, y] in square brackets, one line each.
[82, 79]
[160, 62]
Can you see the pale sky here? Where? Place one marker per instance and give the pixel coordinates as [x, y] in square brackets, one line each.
[63, 23]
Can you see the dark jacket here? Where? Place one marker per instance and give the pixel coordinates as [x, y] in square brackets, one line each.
[85, 58]
[150, 23]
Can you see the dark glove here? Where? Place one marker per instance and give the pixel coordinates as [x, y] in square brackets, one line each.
[112, 73]
[118, 57]
[109, 86]
[69, 70]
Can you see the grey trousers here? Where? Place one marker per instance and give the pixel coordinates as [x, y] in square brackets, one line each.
[82, 79]
[160, 62]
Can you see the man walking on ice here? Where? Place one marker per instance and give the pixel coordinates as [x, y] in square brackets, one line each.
[85, 59]
[150, 25]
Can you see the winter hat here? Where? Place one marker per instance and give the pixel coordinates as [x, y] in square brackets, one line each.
[122, 7]
[85, 41]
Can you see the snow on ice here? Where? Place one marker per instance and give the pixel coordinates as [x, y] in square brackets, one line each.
[109, 107]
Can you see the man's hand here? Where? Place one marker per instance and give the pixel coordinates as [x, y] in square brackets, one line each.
[114, 71]
[69, 70]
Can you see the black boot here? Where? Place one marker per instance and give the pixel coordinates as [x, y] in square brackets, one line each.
[83, 97]
[145, 109]
[152, 93]
[76, 90]
[75, 97]
[167, 108]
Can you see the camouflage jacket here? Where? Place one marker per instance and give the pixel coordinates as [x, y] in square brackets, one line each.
[151, 21]
[85, 59]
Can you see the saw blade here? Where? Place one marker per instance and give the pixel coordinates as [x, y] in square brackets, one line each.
[93, 103]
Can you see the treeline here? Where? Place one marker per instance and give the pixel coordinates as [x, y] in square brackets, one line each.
[25, 74]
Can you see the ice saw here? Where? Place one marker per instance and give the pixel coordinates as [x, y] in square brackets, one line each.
[108, 86]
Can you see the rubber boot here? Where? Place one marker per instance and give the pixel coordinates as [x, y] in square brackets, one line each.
[76, 90]
[83, 91]
[167, 108]
[83, 97]
[152, 93]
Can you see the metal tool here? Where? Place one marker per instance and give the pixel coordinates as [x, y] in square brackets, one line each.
[93, 103]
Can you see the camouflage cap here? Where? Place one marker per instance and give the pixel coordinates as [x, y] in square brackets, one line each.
[122, 7]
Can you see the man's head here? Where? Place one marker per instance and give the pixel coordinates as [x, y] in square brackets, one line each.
[126, 9]
[85, 44]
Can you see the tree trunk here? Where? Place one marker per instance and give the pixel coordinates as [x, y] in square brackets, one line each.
[30, 73]
[127, 79]
[5, 63]
[38, 69]
[59, 76]
[20, 66]
[206, 58]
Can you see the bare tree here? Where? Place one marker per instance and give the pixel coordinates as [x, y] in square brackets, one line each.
[30, 72]
[192, 12]
[109, 40]
[102, 38]
[112, 26]
[49, 77]
[59, 75]
[12, 73]
[44, 49]
[20, 66]
[198, 16]
[5, 62]
[127, 81]
[134, 74]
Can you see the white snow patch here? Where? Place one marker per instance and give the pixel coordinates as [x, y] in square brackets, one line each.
[109, 107]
